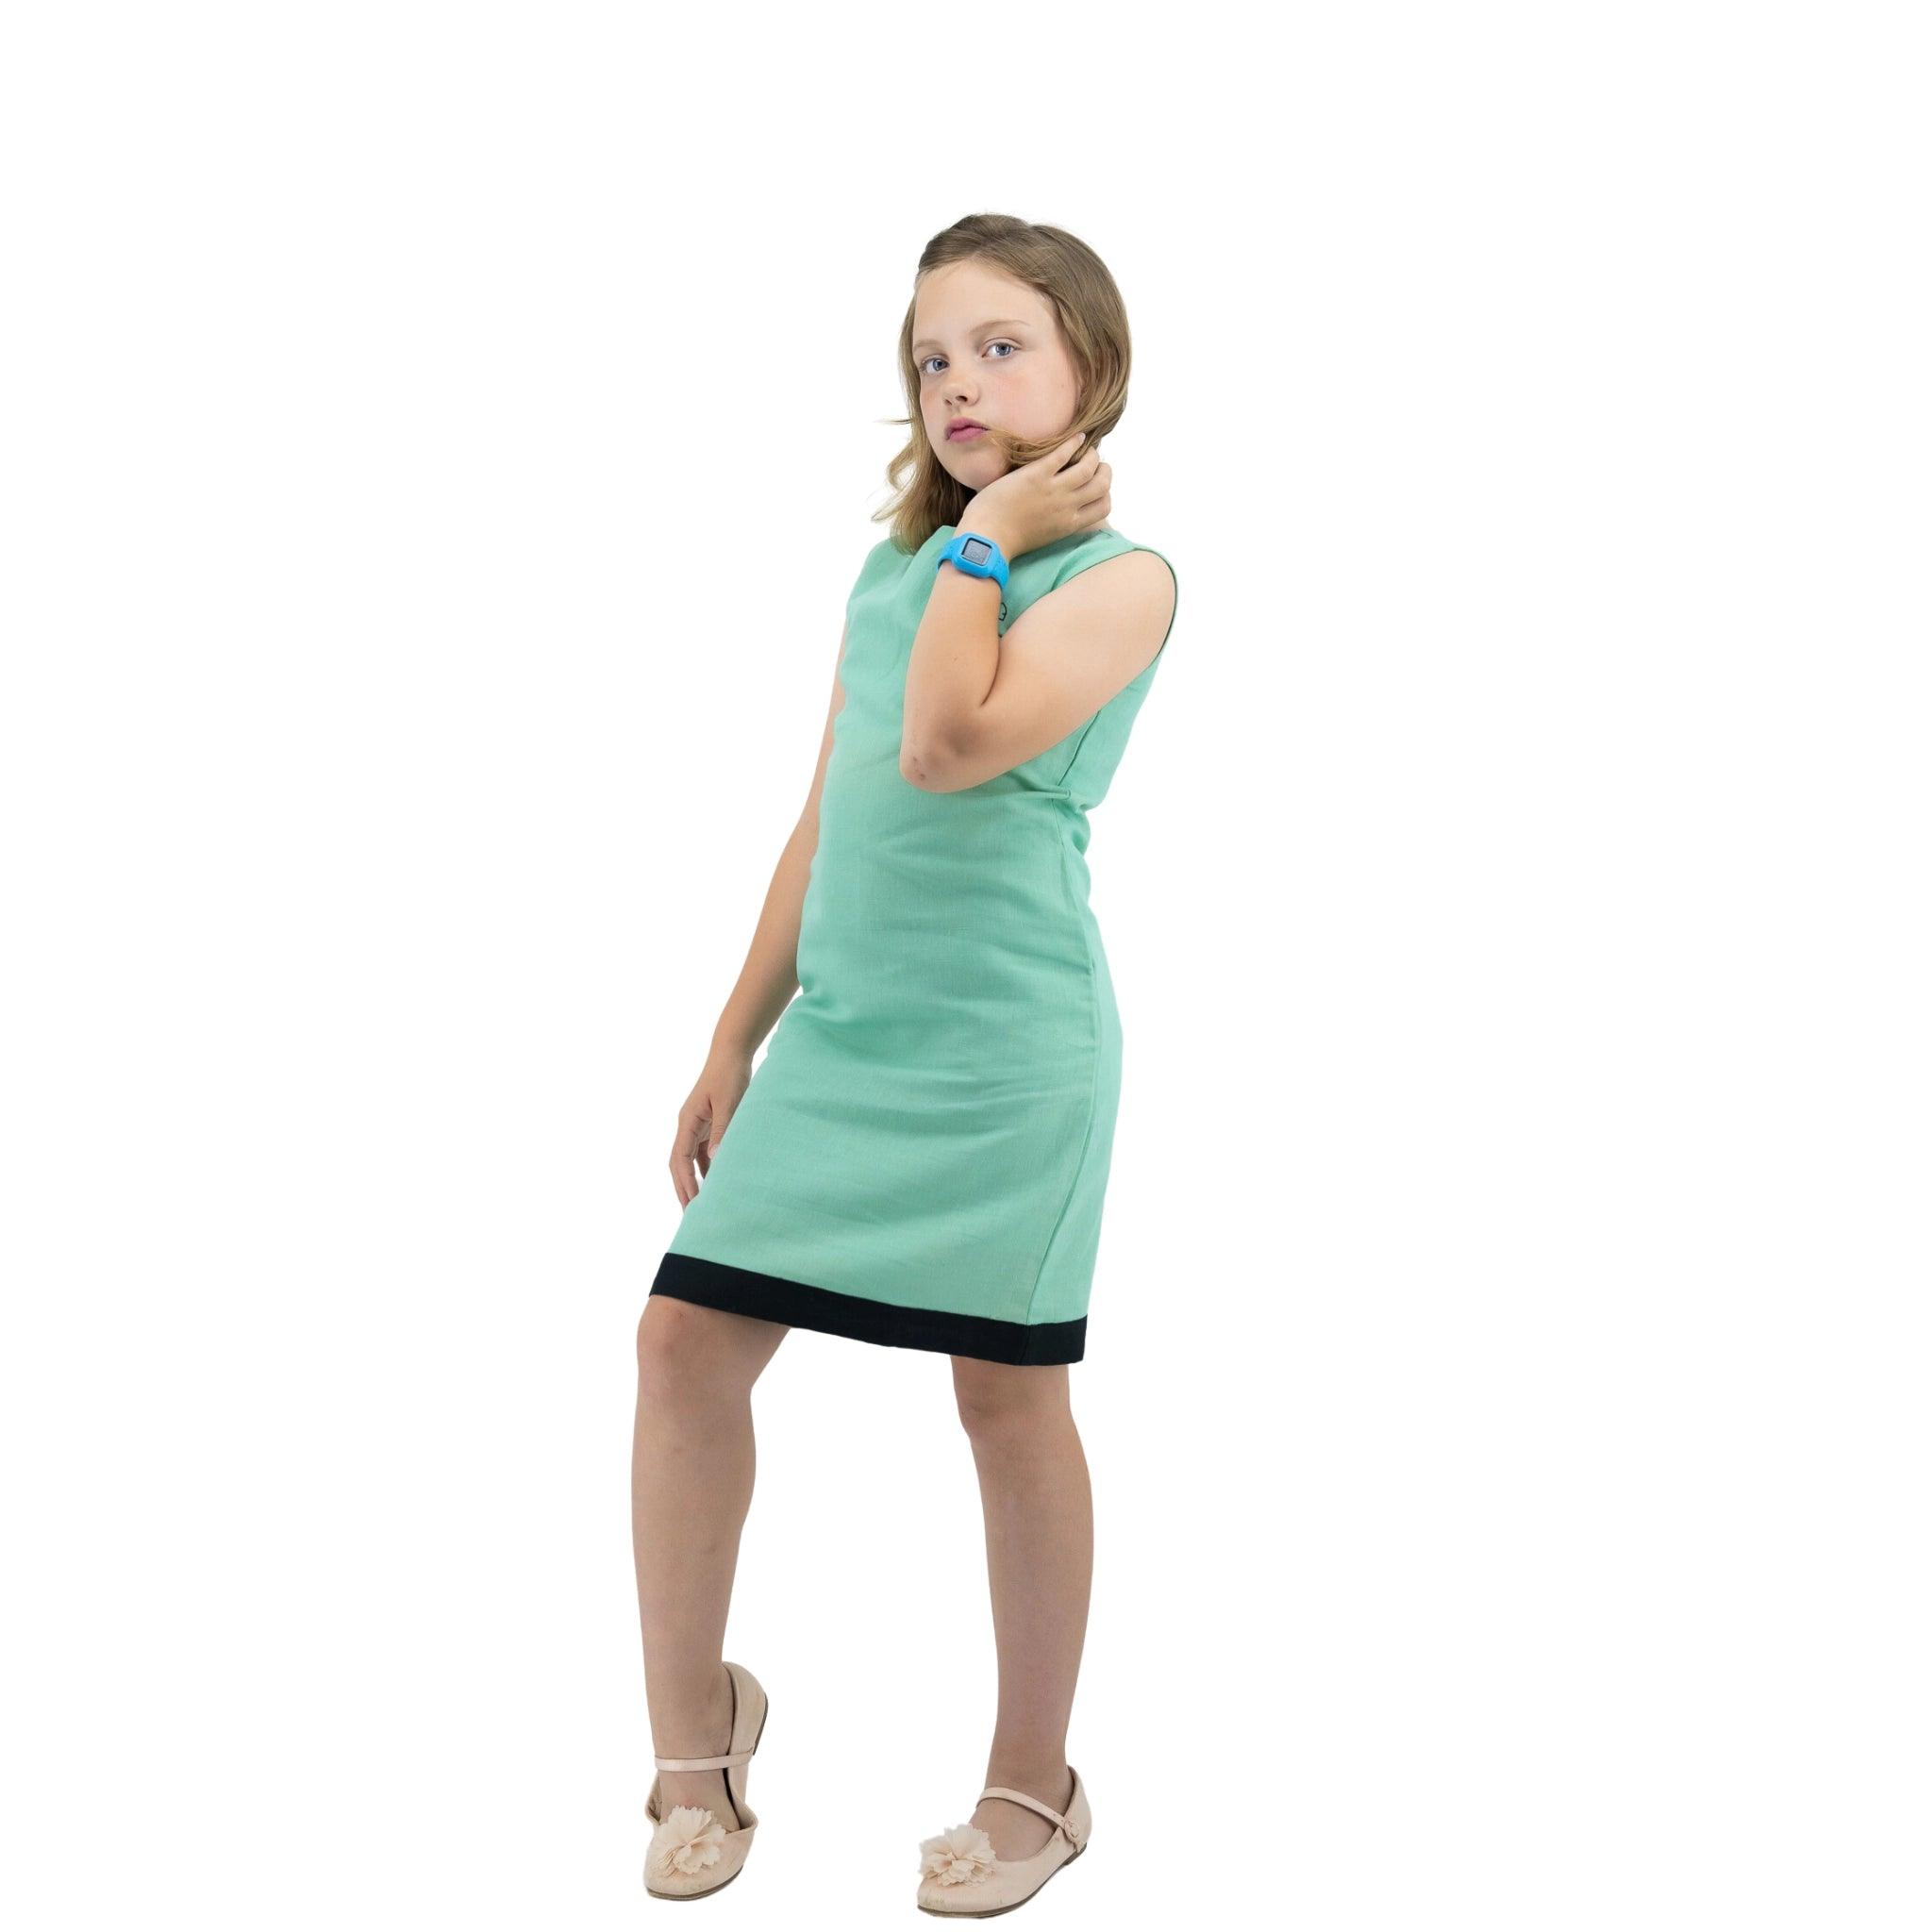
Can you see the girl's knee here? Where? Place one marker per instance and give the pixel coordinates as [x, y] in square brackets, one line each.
[681, 1356]
[1002, 1398]
[689, 1353]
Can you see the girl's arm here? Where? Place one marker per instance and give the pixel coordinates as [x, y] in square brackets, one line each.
[764, 988]
[770, 974]
[978, 704]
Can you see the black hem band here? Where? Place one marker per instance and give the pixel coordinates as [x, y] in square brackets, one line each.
[798, 1304]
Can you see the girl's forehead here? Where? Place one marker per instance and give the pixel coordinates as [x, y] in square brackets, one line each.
[973, 328]
[987, 293]
[997, 309]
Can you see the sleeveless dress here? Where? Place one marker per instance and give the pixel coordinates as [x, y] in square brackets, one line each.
[920, 1158]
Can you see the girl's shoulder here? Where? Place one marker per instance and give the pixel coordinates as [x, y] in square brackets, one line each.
[887, 555]
[883, 559]
[1074, 554]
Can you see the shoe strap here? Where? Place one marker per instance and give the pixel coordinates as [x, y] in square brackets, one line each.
[1033, 1804]
[704, 1763]
[725, 1759]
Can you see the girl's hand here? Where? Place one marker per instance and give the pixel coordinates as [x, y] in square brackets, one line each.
[1038, 502]
[702, 1120]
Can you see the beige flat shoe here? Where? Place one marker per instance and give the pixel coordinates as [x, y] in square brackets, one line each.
[691, 1854]
[960, 1878]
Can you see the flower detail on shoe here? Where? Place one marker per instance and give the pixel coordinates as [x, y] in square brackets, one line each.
[688, 1841]
[957, 1856]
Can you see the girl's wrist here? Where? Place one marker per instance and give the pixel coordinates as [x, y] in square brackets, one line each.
[729, 1044]
[994, 531]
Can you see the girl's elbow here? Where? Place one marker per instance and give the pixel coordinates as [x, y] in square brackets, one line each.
[919, 766]
[931, 764]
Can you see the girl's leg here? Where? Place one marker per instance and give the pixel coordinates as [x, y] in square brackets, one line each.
[1039, 1508]
[693, 1463]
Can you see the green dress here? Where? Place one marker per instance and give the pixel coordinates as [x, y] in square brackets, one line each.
[920, 1155]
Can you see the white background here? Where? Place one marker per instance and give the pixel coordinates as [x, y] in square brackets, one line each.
[437, 443]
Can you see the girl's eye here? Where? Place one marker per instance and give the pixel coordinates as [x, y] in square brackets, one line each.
[1002, 344]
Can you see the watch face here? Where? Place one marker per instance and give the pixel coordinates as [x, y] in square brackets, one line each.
[975, 550]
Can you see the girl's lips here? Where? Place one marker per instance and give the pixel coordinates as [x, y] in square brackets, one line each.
[965, 435]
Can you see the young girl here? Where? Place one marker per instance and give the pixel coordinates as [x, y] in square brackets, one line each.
[920, 1156]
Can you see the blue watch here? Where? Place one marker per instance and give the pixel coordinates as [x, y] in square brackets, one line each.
[978, 557]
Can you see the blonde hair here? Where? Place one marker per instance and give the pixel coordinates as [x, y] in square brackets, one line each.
[1092, 322]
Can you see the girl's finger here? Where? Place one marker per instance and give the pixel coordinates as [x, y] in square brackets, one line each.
[684, 1150]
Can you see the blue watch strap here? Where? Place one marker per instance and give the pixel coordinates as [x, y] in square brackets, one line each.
[977, 556]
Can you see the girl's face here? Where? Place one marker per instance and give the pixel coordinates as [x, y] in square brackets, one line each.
[988, 347]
